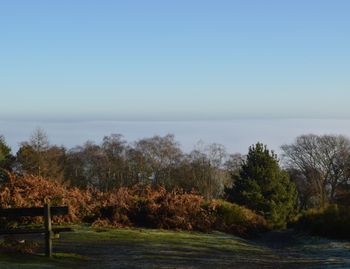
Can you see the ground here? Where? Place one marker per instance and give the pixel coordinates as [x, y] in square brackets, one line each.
[144, 248]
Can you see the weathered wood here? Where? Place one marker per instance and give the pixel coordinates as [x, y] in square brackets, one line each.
[35, 231]
[32, 211]
[48, 230]
[23, 231]
[47, 212]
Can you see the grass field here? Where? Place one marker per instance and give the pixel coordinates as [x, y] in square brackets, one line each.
[143, 248]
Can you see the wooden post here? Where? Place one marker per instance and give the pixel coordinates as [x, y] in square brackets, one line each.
[48, 231]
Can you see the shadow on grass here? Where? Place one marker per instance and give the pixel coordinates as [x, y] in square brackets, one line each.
[36, 261]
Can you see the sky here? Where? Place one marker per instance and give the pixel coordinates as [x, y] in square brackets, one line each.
[174, 60]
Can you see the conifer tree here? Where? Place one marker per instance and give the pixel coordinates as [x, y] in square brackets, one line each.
[6, 158]
[263, 186]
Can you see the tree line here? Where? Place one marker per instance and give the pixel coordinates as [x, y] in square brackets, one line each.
[311, 172]
[115, 163]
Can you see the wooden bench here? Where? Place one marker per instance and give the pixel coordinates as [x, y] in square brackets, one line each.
[47, 212]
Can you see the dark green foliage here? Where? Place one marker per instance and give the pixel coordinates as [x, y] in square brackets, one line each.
[333, 221]
[264, 187]
[236, 219]
[4, 176]
[4, 149]
[6, 158]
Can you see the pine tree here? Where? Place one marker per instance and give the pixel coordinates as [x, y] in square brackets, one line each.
[264, 187]
[6, 158]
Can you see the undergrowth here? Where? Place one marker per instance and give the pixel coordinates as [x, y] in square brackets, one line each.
[332, 221]
[137, 206]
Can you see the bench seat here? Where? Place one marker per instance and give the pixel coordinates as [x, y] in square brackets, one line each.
[34, 231]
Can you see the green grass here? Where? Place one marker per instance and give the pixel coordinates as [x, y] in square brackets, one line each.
[150, 248]
[145, 247]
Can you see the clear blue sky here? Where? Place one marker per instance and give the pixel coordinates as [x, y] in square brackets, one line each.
[165, 60]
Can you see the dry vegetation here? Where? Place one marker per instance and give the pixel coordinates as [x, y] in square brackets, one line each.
[140, 206]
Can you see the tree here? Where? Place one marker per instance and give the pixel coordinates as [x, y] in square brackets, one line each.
[200, 173]
[158, 158]
[234, 162]
[87, 166]
[232, 167]
[114, 146]
[320, 165]
[4, 149]
[264, 187]
[6, 158]
[208, 174]
[38, 157]
[31, 155]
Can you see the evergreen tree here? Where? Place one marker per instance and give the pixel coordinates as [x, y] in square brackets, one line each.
[6, 158]
[263, 186]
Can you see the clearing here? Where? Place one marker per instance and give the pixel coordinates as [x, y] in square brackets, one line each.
[146, 248]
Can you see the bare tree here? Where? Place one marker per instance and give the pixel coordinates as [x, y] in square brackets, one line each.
[234, 162]
[39, 142]
[209, 175]
[114, 146]
[322, 164]
[158, 157]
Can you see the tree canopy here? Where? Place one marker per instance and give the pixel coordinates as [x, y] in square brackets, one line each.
[263, 186]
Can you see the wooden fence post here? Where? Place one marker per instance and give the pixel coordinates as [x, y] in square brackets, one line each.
[48, 230]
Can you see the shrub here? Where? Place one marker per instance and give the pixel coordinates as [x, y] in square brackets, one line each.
[237, 219]
[140, 206]
[333, 221]
[31, 191]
